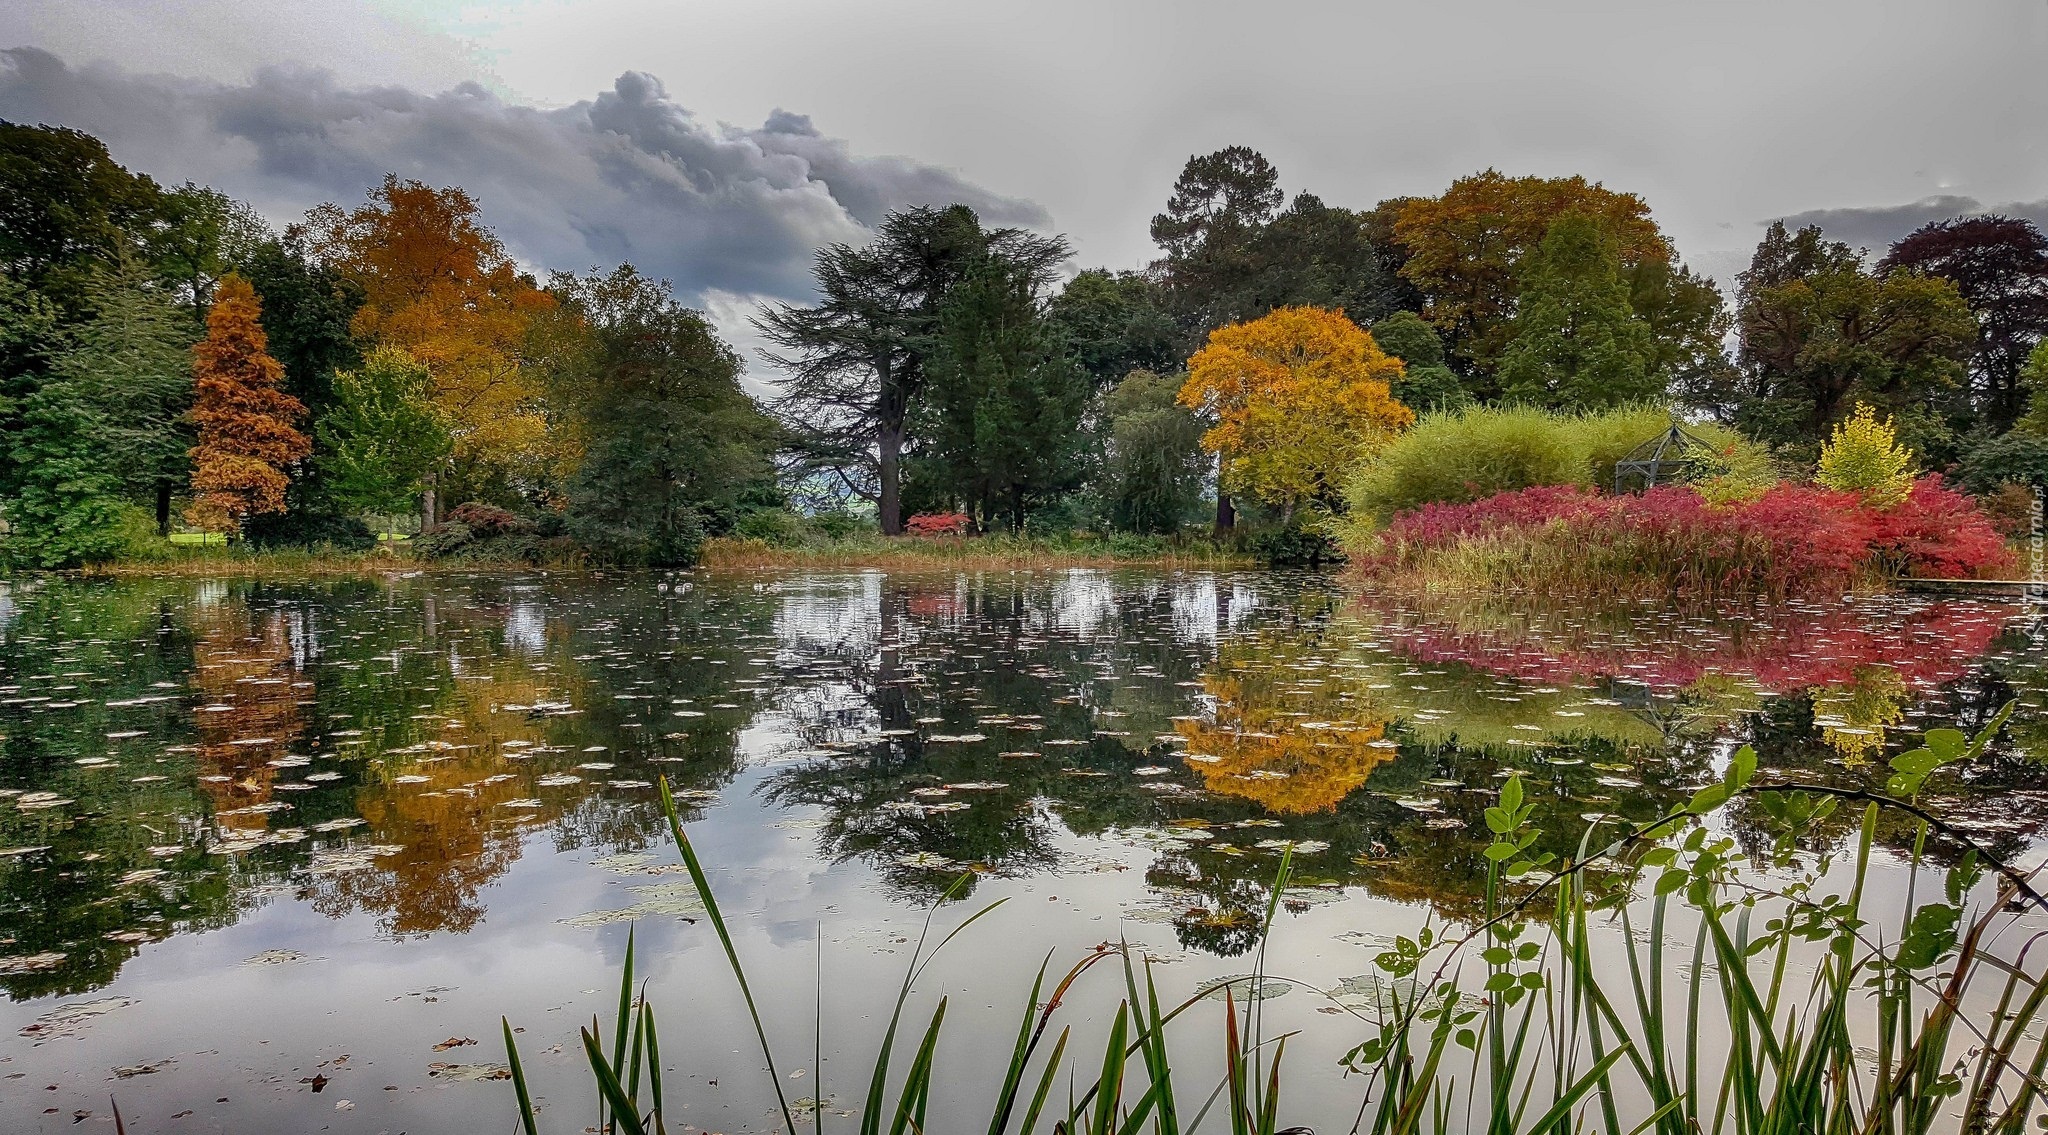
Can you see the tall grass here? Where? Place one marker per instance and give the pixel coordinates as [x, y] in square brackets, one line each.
[993, 551]
[1573, 1004]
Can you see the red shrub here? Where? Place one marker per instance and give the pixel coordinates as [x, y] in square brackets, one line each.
[937, 524]
[1937, 531]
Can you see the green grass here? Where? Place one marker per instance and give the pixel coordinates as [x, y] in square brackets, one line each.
[1524, 1022]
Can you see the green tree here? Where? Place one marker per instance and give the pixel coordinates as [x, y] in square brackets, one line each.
[67, 208]
[1863, 456]
[382, 435]
[670, 439]
[1819, 333]
[202, 235]
[1114, 324]
[1426, 383]
[67, 510]
[1153, 465]
[1576, 344]
[1004, 414]
[855, 363]
[130, 363]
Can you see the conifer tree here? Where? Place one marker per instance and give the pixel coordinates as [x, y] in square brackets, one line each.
[247, 434]
[1577, 344]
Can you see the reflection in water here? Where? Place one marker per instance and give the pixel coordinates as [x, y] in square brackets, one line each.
[174, 757]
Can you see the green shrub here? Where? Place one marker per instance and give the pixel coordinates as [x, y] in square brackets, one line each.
[139, 540]
[776, 527]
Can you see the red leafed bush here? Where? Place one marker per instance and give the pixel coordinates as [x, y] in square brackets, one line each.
[1793, 538]
[937, 524]
[485, 519]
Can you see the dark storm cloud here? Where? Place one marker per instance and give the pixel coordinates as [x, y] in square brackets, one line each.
[1876, 227]
[627, 175]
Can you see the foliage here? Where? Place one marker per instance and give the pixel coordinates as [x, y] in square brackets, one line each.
[383, 436]
[1863, 456]
[130, 360]
[1114, 325]
[1671, 541]
[671, 442]
[855, 364]
[1575, 343]
[1425, 384]
[1153, 465]
[484, 533]
[1999, 266]
[437, 283]
[1299, 397]
[1819, 333]
[2017, 457]
[66, 510]
[245, 423]
[1004, 404]
[938, 524]
[202, 234]
[1467, 251]
[66, 209]
[1482, 450]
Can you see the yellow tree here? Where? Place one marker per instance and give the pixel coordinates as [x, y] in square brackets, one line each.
[1864, 457]
[246, 432]
[1299, 397]
[437, 283]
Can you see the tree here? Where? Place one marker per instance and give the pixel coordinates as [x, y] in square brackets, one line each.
[383, 435]
[670, 440]
[1298, 397]
[1467, 247]
[1576, 344]
[1864, 457]
[130, 364]
[1819, 333]
[67, 208]
[202, 235]
[1425, 382]
[1220, 204]
[1318, 255]
[855, 363]
[245, 422]
[1153, 464]
[1689, 326]
[437, 282]
[1114, 324]
[1999, 265]
[1004, 413]
[67, 510]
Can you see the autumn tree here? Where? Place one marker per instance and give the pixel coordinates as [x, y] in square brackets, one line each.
[437, 283]
[247, 438]
[383, 436]
[1466, 250]
[855, 363]
[1297, 397]
[1575, 342]
[1999, 265]
[1819, 333]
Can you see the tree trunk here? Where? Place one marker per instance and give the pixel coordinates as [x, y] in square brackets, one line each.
[163, 508]
[889, 510]
[430, 504]
[1226, 516]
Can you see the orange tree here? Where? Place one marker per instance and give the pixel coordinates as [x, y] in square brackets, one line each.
[1298, 397]
[247, 436]
[438, 284]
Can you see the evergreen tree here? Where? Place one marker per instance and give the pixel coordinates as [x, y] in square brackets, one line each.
[1426, 382]
[382, 436]
[1576, 343]
[1006, 401]
[671, 441]
[130, 363]
[67, 510]
[246, 435]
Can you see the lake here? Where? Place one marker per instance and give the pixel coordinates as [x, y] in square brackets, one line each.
[278, 856]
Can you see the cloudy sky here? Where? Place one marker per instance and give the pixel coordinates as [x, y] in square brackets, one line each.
[718, 143]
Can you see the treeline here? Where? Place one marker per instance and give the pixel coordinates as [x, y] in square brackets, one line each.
[390, 359]
[167, 360]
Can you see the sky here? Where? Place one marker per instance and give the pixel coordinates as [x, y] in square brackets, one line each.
[718, 144]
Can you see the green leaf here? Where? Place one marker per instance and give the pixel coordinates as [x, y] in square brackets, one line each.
[1929, 936]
